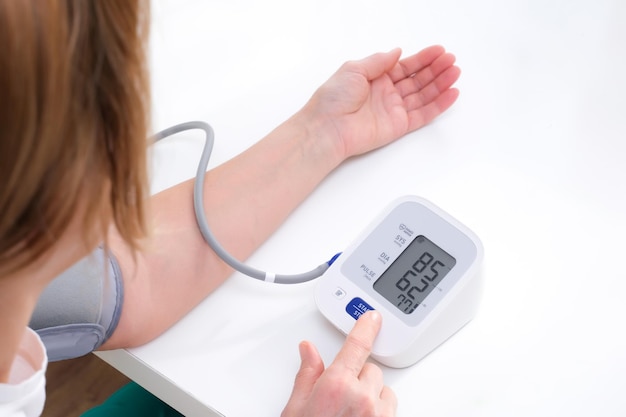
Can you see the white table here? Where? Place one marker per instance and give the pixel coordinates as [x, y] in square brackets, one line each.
[532, 157]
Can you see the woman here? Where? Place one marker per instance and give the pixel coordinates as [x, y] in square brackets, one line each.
[73, 129]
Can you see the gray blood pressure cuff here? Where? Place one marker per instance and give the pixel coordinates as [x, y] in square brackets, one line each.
[80, 309]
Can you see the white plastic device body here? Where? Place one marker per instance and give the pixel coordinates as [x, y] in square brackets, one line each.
[417, 266]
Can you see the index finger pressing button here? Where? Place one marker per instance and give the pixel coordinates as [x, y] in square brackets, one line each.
[358, 344]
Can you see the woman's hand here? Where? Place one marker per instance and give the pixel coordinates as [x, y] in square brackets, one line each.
[369, 103]
[350, 387]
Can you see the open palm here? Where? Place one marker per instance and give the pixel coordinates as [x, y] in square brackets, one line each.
[374, 101]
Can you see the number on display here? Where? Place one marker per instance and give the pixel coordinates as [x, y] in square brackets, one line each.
[408, 299]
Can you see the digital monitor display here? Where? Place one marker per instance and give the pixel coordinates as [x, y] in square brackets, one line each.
[414, 274]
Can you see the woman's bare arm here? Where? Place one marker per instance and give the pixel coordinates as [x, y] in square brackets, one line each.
[366, 104]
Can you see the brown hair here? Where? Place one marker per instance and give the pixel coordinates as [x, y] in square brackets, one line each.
[74, 105]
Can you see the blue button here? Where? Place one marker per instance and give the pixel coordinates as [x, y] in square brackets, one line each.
[357, 307]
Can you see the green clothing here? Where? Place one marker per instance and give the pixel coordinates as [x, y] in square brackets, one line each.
[132, 400]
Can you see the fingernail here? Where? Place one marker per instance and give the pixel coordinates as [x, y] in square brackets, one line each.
[375, 315]
[302, 347]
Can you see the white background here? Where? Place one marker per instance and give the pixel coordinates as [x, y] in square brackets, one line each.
[531, 157]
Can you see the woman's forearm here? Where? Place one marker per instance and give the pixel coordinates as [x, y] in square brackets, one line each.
[245, 200]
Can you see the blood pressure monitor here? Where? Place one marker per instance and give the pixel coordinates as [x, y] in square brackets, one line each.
[418, 267]
[415, 264]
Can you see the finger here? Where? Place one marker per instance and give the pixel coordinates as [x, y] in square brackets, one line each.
[311, 368]
[425, 114]
[358, 345]
[390, 400]
[376, 65]
[417, 81]
[433, 90]
[415, 63]
[372, 376]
